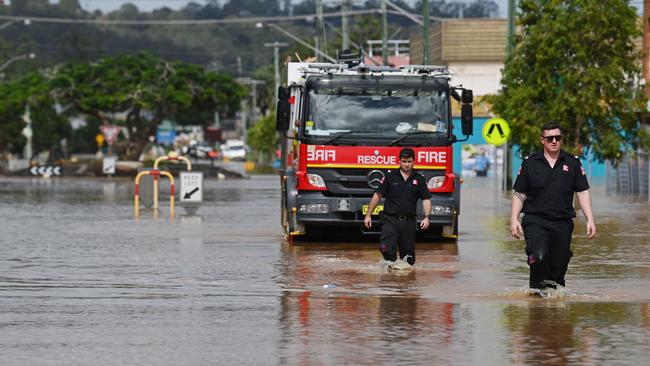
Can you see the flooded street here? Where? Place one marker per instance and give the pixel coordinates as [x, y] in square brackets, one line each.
[84, 282]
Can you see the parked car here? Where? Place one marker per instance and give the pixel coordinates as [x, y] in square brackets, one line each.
[234, 150]
[201, 150]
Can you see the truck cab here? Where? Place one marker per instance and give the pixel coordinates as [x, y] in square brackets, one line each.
[342, 129]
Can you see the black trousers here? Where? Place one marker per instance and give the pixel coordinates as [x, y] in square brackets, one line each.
[396, 233]
[548, 247]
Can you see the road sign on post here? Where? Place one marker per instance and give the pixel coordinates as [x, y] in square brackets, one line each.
[109, 165]
[110, 133]
[496, 131]
[191, 191]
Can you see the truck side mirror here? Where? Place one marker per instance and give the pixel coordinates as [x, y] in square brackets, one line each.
[283, 111]
[467, 96]
[467, 119]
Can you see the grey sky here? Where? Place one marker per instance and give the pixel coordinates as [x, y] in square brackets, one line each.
[148, 5]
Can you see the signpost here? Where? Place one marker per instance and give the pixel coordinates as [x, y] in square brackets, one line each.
[109, 164]
[110, 133]
[191, 192]
[191, 187]
[496, 131]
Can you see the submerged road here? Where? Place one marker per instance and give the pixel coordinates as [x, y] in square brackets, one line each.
[83, 282]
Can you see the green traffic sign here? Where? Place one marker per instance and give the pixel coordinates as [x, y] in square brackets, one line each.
[496, 131]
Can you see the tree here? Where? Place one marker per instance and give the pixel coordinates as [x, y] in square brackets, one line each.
[262, 137]
[48, 126]
[574, 63]
[147, 89]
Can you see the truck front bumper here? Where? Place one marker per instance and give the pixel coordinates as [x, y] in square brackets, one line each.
[317, 209]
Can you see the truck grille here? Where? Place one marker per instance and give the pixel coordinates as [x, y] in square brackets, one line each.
[353, 182]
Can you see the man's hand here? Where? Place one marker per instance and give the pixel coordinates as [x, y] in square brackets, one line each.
[424, 224]
[515, 227]
[591, 229]
[367, 221]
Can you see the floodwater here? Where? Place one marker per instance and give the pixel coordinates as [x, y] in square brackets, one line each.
[83, 282]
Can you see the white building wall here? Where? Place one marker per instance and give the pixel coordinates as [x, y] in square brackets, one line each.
[482, 77]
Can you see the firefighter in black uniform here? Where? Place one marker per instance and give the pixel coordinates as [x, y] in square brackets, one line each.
[544, 190]
[401, 189]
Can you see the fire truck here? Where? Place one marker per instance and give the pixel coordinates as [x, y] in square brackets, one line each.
[342, 126]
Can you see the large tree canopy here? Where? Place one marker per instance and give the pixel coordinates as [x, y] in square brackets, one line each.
[574, 63]
[148, 89]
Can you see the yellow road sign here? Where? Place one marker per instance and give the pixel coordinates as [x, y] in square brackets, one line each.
[496, 131]
[100, 139]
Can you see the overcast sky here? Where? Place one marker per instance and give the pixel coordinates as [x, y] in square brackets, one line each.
[148, 5]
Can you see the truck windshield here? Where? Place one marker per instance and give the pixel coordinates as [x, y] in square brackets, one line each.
[384, 113]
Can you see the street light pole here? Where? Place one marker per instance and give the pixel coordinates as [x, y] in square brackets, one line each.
[16, 58]
[425, 32]
[276, 61]
[384, 33]
[344, 24]
[28, 133]
[7, 24]
[512, 6]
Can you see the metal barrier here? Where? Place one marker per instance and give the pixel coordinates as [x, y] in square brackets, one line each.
[631, 176]
[171, 157]
[155, 174]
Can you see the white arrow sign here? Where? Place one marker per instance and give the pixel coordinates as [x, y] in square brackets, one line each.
[45, 170]
[191, 187]
[108, 166]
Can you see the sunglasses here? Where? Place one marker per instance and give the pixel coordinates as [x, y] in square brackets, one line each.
[557, 138]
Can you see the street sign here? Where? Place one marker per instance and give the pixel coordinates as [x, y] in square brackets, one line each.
[46, 171]
[496, 131]
[100, 139]
[109, 165]
[110, 133]
[191, 187]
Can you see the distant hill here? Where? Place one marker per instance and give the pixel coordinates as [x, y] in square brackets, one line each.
[57, 31]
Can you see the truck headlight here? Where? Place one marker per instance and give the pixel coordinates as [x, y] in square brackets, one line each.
[314, 208]
[436, 182]
[316, 180]
[438, 210]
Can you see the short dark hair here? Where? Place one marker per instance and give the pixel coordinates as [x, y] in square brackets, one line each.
[551, 126]
[406, 153]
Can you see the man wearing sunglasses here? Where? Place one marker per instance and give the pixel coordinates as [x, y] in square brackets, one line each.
[543, 191]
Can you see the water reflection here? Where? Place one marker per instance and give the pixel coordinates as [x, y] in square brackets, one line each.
[372, 315]
[577, 333]
[80, 275]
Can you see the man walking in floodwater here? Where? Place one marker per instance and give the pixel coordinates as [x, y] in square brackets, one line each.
[544, 190]
[401, 189]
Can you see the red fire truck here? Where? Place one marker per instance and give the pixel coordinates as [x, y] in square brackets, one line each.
[342, 126]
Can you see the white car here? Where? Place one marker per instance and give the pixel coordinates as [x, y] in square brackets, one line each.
[234, 150]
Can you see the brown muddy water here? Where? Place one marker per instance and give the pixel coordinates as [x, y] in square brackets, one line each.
[83, 282]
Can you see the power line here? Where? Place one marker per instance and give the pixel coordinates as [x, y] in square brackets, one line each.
[304, 17]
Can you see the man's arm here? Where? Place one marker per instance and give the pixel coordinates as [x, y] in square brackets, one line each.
[584, 198]
[518, 199]
[374, 201]
[426, 207]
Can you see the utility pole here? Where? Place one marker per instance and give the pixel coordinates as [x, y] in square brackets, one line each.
[344, 24]
[384, 33]
[319, 27]
[646, 46]
[512, 5]
[425, 32]
[252, 83]
[276, 60]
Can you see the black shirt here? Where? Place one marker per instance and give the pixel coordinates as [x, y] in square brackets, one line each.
[401, 196]
[549, 191]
